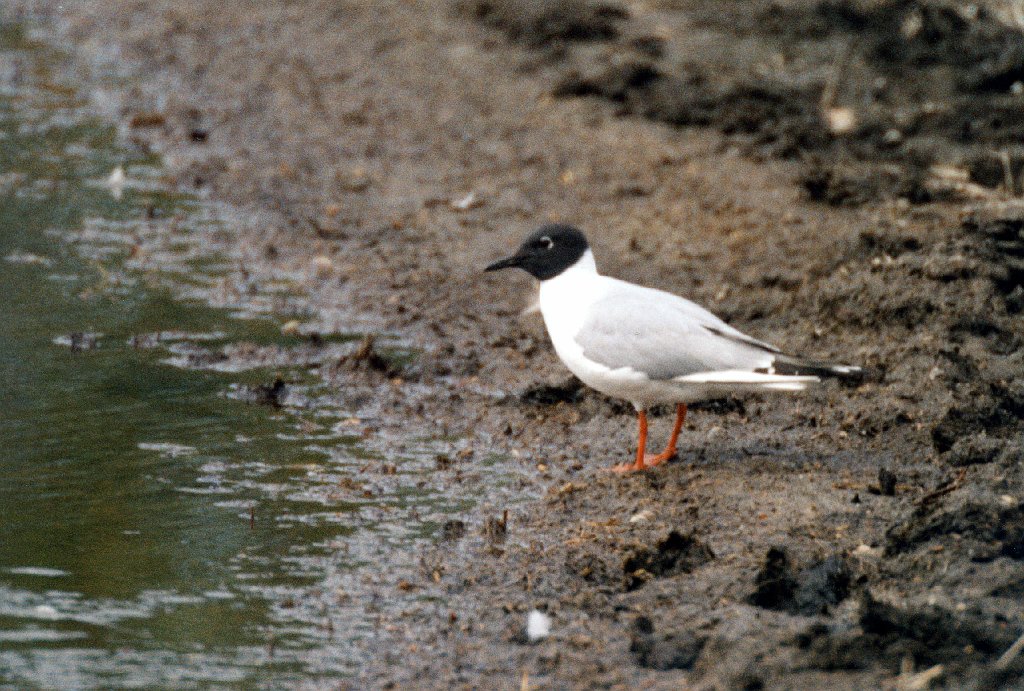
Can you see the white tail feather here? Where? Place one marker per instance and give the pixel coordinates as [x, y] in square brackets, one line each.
[847, 369]
[744, 379]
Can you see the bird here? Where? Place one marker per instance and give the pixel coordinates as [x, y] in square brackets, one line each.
[648, 346]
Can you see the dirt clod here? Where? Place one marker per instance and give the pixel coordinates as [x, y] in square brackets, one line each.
[890, 634]
[985, 524]
[677, 553]
[973, 450]
[663, 651]
[368, 356]
[775, 582]
[932, 634]
[453, 530]
[495, 528]
[548, 21]
[811, 591]
[886, 482]
[569, 391]
[994, 410]
[272, 394]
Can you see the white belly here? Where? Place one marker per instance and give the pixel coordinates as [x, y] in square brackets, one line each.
[564, 302]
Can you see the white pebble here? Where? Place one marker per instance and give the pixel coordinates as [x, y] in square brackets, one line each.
[538, 625]
[642, 516]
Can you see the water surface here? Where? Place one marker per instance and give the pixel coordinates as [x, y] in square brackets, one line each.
[157, 527]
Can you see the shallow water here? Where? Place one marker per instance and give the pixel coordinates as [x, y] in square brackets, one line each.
[157, 528]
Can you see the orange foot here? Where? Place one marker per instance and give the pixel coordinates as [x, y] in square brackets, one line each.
[644, 460]
[659, 458]
[650, 460]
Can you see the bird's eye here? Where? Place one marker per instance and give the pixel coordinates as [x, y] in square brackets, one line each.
[545, 243]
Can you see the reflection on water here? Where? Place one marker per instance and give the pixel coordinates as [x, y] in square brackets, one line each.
[156, 527]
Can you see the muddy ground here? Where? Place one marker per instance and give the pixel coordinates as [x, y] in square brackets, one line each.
[837, 177]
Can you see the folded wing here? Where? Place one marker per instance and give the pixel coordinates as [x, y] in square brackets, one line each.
[666, 337]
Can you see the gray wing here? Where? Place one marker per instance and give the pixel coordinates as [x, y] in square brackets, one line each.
[665, 336]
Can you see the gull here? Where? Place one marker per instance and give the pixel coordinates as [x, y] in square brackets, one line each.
[648, 346]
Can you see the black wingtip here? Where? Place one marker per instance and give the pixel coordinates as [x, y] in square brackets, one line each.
[849, 374]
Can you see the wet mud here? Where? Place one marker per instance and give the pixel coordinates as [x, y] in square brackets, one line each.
[912, 99]
[839, 178]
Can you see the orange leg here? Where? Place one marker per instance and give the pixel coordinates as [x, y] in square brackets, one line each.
[641, 446]
[670, 448]
[643, 460]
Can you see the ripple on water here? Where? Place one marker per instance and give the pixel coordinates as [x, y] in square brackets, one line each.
[167, 449]
[41, 571]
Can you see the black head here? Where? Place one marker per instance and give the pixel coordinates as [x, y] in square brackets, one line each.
[547, 252]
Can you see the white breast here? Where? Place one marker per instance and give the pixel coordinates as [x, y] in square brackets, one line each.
[565, 301]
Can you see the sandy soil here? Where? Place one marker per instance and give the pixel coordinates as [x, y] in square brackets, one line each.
[835, 177]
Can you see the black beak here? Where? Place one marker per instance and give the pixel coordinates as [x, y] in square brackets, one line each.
[514, 260]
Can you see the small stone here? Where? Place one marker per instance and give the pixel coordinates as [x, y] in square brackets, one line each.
[867, 551]
[323, 266]
[641, 516]
[887, 482]
[470, 201]
[538, 626]
[841, 120]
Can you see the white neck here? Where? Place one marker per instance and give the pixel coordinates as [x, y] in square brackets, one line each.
[565, 298]
[584, 267]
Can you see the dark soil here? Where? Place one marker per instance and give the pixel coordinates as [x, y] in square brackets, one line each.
[909, 99]
[834, 177]
[812, 591]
